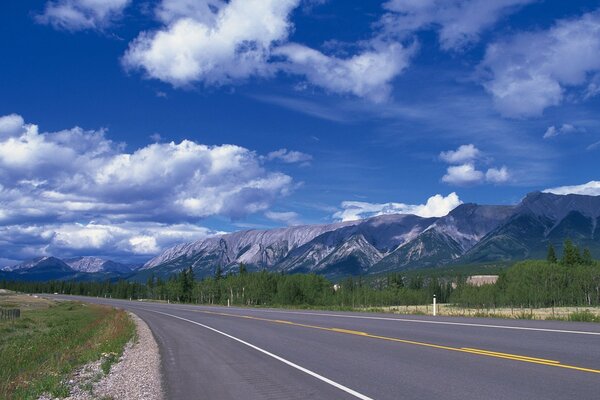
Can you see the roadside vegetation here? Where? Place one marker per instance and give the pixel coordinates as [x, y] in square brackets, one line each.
[571, 281]
[39, 350]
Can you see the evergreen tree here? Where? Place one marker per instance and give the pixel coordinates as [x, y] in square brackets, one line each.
[243, 268]
[570, 254]
[218, 273]
[551, 257]
[586, 258]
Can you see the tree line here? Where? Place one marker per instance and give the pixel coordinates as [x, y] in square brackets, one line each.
[258, 289]
[572, 280]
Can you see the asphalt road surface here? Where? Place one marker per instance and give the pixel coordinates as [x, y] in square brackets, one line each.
[238, 353]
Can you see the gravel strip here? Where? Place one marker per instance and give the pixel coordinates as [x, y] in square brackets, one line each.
[136, 376]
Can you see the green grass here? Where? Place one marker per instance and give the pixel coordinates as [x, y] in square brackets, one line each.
[583, 316]
[44, 346]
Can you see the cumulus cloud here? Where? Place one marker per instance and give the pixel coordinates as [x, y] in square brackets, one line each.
[10, 125]
[213, 42]
[497, 175]
[464, 174]
[126, 240]
[591, 188]
[76, 15]
[553, 131]
[466, 152]
[436, 206]
[289, 156]
[367, 74]
[60, 179]
[459, 22]
[286, 217]
[527, 72]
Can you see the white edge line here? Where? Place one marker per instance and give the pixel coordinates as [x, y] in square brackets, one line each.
[283, 360]
[521, 328]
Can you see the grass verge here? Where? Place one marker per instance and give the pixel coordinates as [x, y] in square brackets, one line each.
[44, 346]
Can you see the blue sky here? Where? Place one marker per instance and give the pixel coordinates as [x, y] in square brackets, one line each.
[129, 126]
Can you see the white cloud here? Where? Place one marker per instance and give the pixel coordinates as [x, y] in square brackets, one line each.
[75, 15]
[464, 174]
[286, 217]
[367, 74]
[531, 71]
[497, 175]
[289, 156]
[11, 125]
[436, 206]
[466, 152]
[591, 188]
[459, 22]
[74, 175]
[214, 43]
[125, 240]
[593, 146]
[553, 131]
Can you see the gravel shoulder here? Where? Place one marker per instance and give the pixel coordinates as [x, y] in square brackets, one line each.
[135, 376]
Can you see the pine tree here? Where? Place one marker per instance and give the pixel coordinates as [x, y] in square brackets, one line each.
[551, 257]
[586, 258]
[570, 254]
[243, 268]
[218, 273]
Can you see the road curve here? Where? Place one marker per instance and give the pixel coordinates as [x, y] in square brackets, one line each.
[240, 353]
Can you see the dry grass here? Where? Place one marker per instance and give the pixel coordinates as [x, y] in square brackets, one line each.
[24, 302]
[559, 313]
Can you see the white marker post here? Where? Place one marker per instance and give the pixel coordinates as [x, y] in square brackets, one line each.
[434, 305]
[227, 302]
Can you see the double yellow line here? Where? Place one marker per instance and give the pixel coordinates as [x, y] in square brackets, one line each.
[480, 352]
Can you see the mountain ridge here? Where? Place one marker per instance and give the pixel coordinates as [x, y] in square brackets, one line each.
[469, 234]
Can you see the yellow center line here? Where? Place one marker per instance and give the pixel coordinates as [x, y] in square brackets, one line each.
[480, 352]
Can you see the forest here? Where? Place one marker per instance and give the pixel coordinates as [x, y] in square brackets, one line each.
[571, 280]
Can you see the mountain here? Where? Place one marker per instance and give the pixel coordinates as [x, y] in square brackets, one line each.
[447, 239]
[95, 264]
[39, 269]
[469, 234]
[539, 220]
[52, 268]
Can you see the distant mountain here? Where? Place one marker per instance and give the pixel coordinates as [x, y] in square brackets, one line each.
[469, 234]
[95, 264]
[52, 268]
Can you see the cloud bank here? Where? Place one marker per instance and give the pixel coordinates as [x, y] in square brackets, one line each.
[436, 206]
[591, 188]
[77, 186]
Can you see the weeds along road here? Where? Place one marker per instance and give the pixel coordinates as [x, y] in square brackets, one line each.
[238, 353]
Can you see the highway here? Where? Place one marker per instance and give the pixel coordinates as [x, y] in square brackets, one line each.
[245, 353]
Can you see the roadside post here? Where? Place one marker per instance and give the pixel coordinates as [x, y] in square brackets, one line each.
[434, 305]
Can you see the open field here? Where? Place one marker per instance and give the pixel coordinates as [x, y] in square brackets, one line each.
[51, 339]
[580, 314]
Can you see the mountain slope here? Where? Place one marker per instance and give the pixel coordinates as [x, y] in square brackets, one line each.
[540, 219]
[446, 239]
